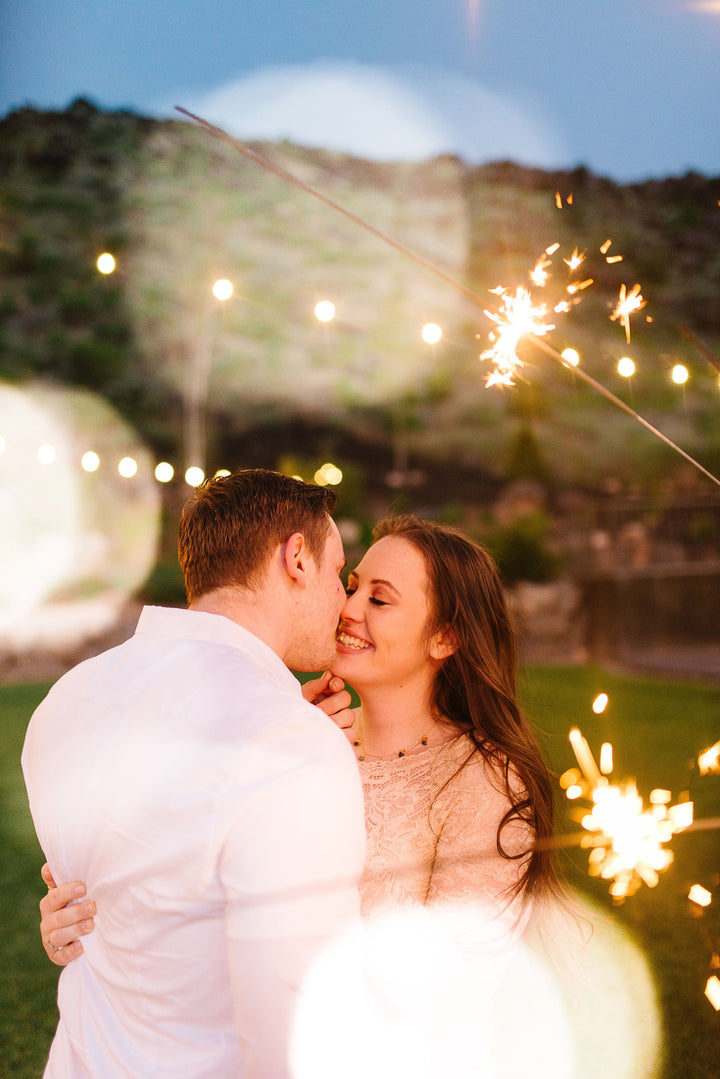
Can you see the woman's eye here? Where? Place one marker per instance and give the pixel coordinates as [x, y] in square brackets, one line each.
[349, 591]
[378, 602]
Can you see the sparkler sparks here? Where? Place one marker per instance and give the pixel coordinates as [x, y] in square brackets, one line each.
[575, 260]
[516, 317]
[625, 838]
[628, 303]
[506, 338]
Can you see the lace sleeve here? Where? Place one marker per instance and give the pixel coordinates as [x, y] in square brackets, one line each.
[467, 862]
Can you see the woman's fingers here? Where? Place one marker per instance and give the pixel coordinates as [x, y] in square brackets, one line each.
[60, 895]
[337, 706]
[62, 956]
[47, 876]
[64, 921]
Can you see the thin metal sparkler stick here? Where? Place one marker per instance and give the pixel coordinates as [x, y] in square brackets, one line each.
[621, 405]
[289, 178]
[218, 133]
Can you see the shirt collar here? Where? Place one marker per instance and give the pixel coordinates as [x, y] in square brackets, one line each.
[186, 625]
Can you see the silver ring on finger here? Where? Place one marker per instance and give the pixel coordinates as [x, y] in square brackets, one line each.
[56, 947]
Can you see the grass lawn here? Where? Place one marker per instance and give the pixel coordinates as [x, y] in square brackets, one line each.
[657, 729]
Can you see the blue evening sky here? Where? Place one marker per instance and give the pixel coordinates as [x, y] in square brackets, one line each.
[630, 88]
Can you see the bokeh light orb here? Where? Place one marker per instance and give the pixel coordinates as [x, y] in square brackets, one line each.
[431, 333]
[75, 543]
[679, 374]
[127, 467]
[164, 472]
[328, 474]
[90, 461]
[571, 356]
[46, 454]
[626, 367]
[222, 289]
[325, 311]
[194, 476]
[438, 993]
[106, 263]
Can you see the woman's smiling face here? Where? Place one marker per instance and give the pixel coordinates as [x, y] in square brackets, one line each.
[382, 634]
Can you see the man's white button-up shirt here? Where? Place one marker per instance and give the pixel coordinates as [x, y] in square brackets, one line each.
[217, 820]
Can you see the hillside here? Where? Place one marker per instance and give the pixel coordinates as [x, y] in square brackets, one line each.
[180, 209]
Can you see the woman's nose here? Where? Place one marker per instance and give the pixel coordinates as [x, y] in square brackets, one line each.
[350, 612]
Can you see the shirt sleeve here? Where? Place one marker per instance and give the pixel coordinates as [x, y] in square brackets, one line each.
[290, 866]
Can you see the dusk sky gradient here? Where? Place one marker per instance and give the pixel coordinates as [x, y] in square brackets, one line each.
[629, 88]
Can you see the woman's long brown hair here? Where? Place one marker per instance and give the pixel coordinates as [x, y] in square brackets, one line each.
[475, 687]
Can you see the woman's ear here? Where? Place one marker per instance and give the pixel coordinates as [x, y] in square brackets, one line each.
[294, 558]
[443, 644]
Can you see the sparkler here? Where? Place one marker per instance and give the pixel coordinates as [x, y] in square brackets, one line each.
[517, 316]
[628, 303]
[625, 838]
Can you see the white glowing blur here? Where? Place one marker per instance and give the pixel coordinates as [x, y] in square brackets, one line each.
[679, 374]
[221, 472]
[164, 472]
[600, 703]
[571, 356]
[222, 289]
[105, 263]
[88, 535]
[626, 367]
[127, 467]
[90, 461]
[438, 992]
[325, 311]
[46, 454]
[431, 333]
[194, 476]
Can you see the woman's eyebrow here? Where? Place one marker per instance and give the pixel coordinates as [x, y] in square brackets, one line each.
[377, 580]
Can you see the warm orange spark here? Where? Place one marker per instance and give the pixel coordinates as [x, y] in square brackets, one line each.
[552, 249]
[539, 274]
[604, 248]
[558, 200]
[614, 258]
[709, 760]
[579, 286]
[628, 303]
[575, 260]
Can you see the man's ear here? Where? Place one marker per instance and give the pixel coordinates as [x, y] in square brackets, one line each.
[443, 644]
[295, 558]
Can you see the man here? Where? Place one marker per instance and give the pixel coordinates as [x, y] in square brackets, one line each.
[214, 814]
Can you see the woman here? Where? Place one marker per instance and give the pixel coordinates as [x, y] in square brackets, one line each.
[459, 804]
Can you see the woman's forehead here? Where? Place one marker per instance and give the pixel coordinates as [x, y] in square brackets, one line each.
[393, 558]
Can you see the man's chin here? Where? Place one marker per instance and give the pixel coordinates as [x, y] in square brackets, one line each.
[312, 662]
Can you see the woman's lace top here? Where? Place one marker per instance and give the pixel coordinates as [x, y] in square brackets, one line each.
[432, 821]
